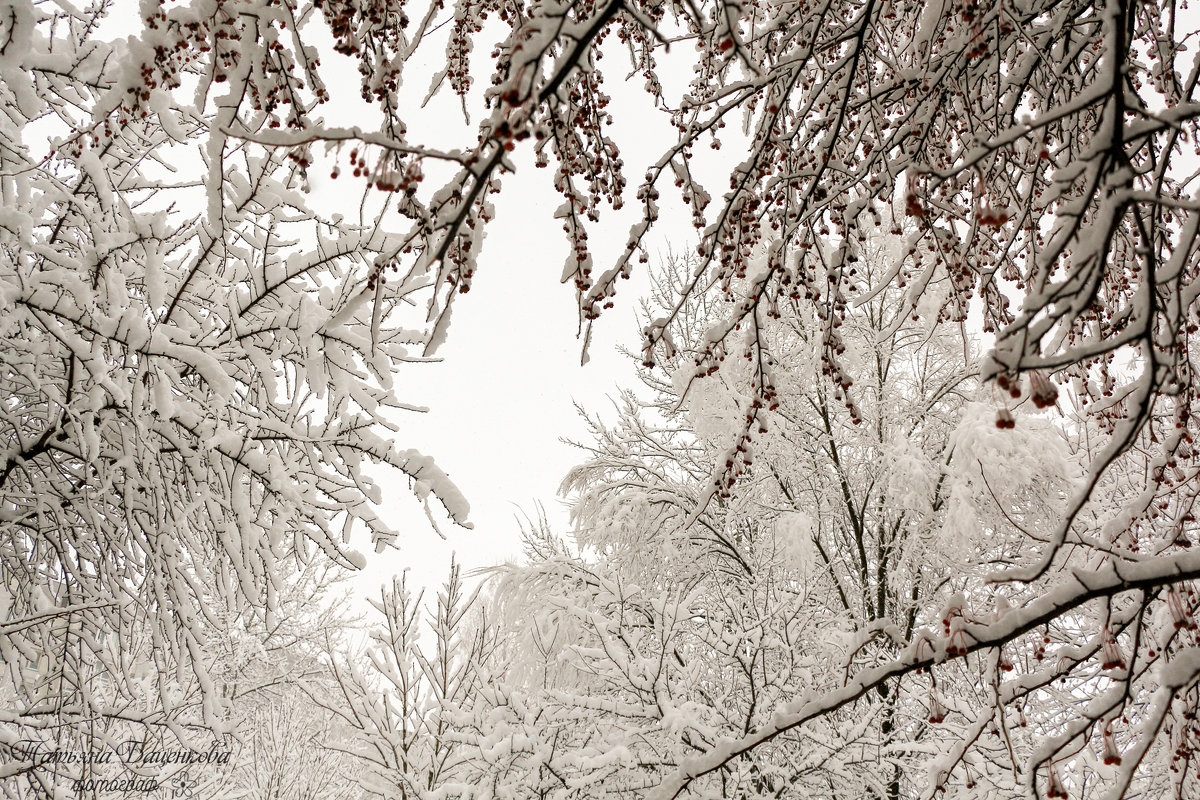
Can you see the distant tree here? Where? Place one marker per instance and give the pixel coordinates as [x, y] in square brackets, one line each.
[269, 677]
[414, 705]
[275, 680]
[831, 545]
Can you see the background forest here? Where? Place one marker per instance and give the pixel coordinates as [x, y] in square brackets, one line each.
[902, 503]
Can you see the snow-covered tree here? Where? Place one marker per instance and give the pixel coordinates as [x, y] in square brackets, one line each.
[415, 703]
[278, 687]
[679, 623]
[915, 666]
[831, 624]
[192, 391]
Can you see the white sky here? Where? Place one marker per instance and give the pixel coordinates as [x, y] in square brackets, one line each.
[504, 395]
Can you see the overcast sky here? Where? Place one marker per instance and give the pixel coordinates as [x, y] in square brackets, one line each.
[504, 395]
